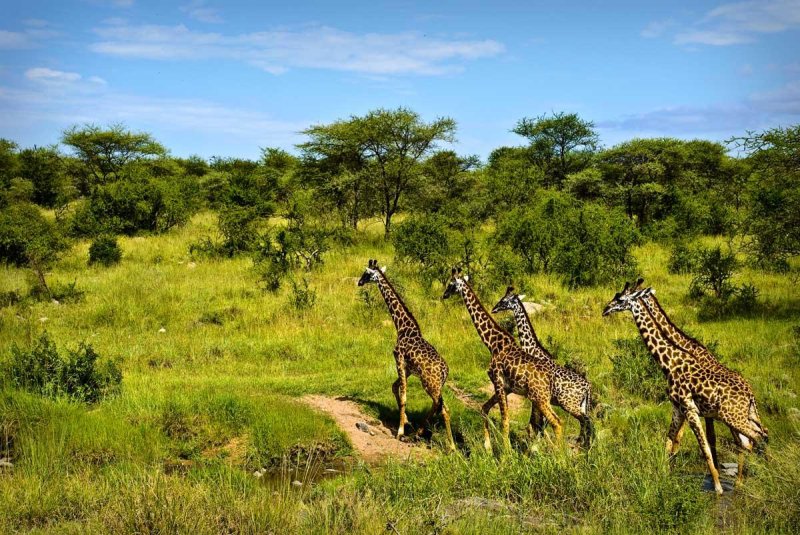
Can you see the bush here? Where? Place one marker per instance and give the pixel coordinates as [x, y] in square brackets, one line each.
[682, 259]
[302, 297]
[78, 376]
[635, 371]
[713, 272]
[585, 243]
[105, 251]
[425, 240]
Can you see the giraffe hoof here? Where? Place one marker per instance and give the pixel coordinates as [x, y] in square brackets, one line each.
[487, 446]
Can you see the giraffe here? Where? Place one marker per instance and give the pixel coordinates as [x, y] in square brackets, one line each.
[571, 391]
[693, 391]
[736, 404]
[413, 354]
[511, 368]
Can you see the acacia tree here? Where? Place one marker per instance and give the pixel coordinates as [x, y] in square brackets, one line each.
[384, 147]
[104, 152]
[562, 143]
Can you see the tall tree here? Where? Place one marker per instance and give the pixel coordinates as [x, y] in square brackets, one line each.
[43, 167]
[562, 143]
[385, 146]
[105, 152]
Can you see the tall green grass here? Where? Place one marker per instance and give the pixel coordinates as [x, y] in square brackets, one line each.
[213, 398]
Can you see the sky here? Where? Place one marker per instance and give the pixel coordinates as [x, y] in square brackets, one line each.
[214, 78]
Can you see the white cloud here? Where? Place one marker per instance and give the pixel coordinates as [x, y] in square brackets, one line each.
[758, 111]
[198, 10]
[742, 22]
[14, 40]
[315, 47]
[45, 75]
[657, 28]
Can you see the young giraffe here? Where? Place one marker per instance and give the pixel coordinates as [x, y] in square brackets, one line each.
[691, 389]
[733, 400]
[571, 391]
[511, 368]
[413, 354]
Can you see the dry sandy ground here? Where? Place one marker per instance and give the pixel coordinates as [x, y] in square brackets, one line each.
[370, 438]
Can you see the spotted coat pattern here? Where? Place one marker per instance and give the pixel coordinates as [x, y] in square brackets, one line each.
[511, 369]
[571, 391]
[691, 388]
[413, 355]
[730, 398]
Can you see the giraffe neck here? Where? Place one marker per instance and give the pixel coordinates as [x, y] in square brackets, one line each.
[658, 347]
[492, 335]
[669, 329]
[527, 335]
[404, 322]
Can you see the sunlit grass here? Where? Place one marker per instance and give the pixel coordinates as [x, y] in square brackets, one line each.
[213, 397]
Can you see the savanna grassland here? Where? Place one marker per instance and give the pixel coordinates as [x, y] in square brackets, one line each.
[213, 368]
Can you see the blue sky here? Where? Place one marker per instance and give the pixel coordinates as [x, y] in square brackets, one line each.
[226, 78]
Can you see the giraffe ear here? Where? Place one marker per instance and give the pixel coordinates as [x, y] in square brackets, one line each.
[383, 269]
[627, 285]
[466, 278]
[639, 282]
[453, 271]
[521, 296]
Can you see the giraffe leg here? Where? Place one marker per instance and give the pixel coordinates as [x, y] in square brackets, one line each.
[435, 408]
[536, 422]
[694, 419]
[503, 402]
[711, 436]
[399, 388]
[550, 416]
[487, 443]
[676, 429]
[744, 444]
[446, 417]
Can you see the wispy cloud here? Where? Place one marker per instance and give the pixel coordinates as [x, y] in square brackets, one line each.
[32, 36]
[13, 40]
[60, 99]
[198, 10]
[758, 111]
[733, 23]
[314, 47]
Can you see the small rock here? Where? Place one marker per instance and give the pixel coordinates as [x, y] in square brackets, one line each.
[361, 426]
[162, 330]
[532, 308]
[297, 483]
[55, 302]
[5, 463]
[258, 473]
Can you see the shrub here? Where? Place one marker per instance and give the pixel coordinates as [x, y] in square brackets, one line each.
[78, 376]
[713, 272]
[302, 297]
[585, 243]
[425, 240]
[682, 259]
[635, 371]
[105, 251]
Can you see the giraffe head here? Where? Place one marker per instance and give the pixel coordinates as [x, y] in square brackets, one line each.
[510, 301]
[456, 284]
[371, 274]
[625, 299]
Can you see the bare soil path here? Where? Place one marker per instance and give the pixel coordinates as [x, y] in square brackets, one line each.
[373, 441]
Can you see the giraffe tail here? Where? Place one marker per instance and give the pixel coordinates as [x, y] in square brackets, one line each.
[587, 425]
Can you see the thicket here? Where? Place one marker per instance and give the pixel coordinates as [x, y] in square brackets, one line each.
[79, 375]
[557, 204]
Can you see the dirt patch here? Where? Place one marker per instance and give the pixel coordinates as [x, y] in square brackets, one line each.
[234, 451]
[370, 438]
[515, 403]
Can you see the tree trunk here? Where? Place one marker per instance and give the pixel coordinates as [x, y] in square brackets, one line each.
[387, 225]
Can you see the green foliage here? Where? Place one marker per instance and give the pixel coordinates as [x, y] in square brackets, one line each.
[585, 244]
[105, 251]
[78, 376]
[635, 371]
[9, 162]
[512, 178]
[682, 258]
[106, 152]
[425, 241]
[42, 166]
[774, 194]
[713, 272]
[385, 146]
[302, 297]
[561, 143]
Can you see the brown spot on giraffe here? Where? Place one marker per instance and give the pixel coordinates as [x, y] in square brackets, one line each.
[413, 354]
[511, 369]
[571, 391]
[695, 390]
[731, 398]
